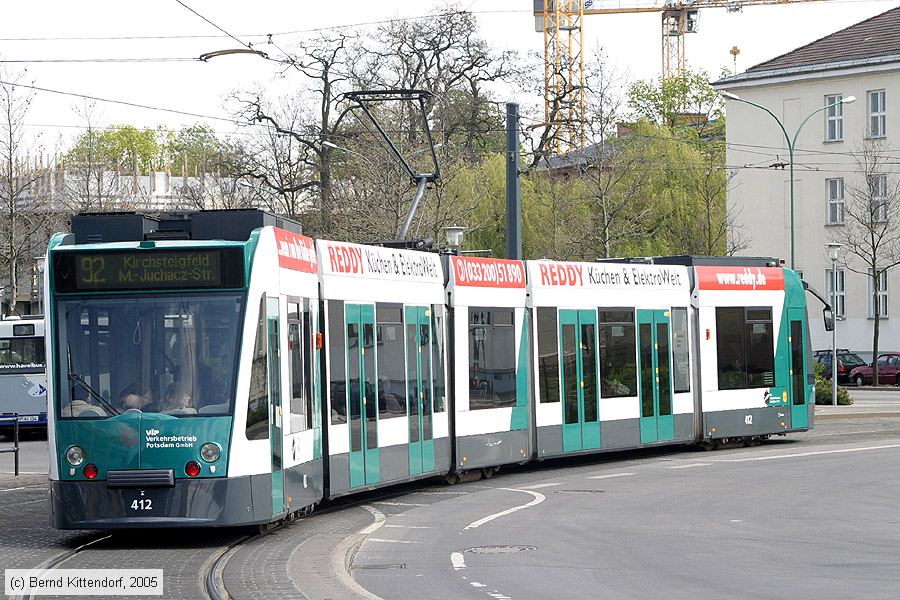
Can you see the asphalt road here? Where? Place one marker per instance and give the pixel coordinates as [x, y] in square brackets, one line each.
[810, 516]
[815, 518]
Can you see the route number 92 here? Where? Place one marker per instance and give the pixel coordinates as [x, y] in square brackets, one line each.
[144, 504]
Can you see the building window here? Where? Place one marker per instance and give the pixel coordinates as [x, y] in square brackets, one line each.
[877, 114]
[835, 188]
[745, 348]
[878, 197]
[834, 118]
[492, 358]
[618, 356]
[882, 294]
[834, 283]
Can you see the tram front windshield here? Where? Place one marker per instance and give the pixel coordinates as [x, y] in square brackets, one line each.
[172, 354]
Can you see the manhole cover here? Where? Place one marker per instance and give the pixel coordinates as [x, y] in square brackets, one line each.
[578, 491]
[498, 549]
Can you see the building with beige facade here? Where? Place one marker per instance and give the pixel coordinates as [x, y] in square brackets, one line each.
[845, 157]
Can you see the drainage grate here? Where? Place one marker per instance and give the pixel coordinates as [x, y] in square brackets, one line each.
[387, 566]
[499, 549]
[578, 491]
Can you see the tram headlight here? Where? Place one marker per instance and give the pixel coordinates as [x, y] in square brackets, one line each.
[75, 455]
[210, 452]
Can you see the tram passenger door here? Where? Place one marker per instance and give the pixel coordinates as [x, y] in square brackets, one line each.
[419, 393]
[276, 434]
[578, 341]
[362, 402]
[799, 405]
[655, 371]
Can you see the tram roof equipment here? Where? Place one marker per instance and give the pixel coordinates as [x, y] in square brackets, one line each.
[237, 225]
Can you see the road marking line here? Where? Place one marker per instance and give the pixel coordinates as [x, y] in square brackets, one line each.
[400, 503]
[383, 541]
[408, 526]
[611, 475]
[458, 560]
[25, 487]
[804, 454]
[476, 584]
[539, 486]
[690, 466]
[538, 498]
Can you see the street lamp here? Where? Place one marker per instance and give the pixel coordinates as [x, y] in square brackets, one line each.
[790, 143]
[834, 253]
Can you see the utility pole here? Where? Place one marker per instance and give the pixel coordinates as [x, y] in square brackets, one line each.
[513, 196]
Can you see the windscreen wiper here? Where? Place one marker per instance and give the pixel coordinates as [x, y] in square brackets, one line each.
[94, 394]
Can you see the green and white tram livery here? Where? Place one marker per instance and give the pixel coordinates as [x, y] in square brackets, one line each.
[386, 367]
[166, 374]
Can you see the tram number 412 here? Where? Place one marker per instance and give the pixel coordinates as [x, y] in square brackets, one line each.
[145, 504]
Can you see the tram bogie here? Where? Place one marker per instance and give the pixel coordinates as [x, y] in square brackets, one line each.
[223, 369]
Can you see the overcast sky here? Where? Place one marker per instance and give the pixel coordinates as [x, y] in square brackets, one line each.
[37, 30]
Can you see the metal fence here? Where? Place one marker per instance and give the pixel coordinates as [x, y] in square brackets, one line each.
[15, 447]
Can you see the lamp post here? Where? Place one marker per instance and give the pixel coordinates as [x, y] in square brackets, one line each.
[791, 142]
[834, 253]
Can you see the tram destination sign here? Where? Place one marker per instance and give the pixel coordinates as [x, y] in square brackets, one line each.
[109, 271]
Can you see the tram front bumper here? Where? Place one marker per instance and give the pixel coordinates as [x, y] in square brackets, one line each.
[208, 502]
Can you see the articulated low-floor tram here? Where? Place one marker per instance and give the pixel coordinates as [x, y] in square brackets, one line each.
[220, 368]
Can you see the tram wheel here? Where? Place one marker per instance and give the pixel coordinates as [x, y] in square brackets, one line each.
[451, 478]
[488, 472]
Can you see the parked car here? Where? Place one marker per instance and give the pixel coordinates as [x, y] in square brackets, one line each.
[847, 361]
[888, 370]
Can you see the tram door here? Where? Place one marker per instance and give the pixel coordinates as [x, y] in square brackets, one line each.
[799, 405]
[578, 341]
[362, 401]
[655, 370]
[276, 434]
[419, 398]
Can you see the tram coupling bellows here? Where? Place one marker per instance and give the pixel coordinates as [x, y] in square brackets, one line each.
[140, 478]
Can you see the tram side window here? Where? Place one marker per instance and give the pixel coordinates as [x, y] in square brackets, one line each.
[746, 357]
[336, 365]
[681, 359]
[258, 404]
[492, 358]
[391, 361]
[437, 357]
[548, 354]
[299, 350]
[618, 366]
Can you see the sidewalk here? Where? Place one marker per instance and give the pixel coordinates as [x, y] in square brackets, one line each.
[867, 402]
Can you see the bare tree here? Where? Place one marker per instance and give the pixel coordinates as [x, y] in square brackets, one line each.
[18, 176]
[89, 184]
[871, 230]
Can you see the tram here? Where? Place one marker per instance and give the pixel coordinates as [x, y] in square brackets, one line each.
[220, 368]
[23, 378]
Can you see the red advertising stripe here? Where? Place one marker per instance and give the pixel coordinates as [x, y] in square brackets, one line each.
[740, 278]
[472, 271]
[295, 251]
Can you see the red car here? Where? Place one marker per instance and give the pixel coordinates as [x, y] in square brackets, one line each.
[888, 370]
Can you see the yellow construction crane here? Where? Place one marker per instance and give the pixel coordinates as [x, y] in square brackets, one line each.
[561, 23]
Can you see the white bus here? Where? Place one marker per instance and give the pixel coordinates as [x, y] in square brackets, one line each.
[23, 377]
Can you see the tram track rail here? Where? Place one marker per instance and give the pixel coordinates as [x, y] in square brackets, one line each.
[62, 557]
